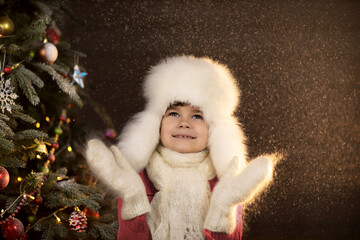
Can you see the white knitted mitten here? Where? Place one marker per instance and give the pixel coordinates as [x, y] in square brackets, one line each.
[234, 188]
[112, 168]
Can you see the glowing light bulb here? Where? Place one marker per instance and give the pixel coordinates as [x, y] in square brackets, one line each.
[57, 218]
[69, 148]
[19, 179]
[47, 119]
[37, 125]
[38, 156]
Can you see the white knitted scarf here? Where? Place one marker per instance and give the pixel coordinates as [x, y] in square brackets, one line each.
[179, 208]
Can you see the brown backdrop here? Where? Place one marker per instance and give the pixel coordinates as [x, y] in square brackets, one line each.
[297, 63]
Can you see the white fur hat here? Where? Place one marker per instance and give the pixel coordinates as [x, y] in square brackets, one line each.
[202, 83]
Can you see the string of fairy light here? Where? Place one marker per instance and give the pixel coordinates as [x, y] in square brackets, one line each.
[41, 177]
[30, 187]
[7, 69]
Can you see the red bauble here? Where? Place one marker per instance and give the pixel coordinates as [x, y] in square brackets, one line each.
[63, 117]
[4, 178]
[7, 69]
[38, 200]
[13, 229]
[53, 33]
[91, 213]
[52, 36]
[51, 157]
[55, 145]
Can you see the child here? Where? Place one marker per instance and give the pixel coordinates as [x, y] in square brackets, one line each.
[184, 143]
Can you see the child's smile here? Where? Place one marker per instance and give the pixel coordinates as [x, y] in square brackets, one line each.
[183, 129]
[185, 137]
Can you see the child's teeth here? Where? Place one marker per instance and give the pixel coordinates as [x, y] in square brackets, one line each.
[181, 136]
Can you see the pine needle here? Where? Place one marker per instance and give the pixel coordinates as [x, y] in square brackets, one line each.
[48, 233]
[70, 193]
[30, 134]
[35, 31]
[104, 231]
[4, 117]
[6, 145]
[17, 107]
[30, 75]
[24, 117]
[25, 84]
[13, 162]
[45, 9]
[2, 133]
[61, 67]
[5, 128]
[13, 49]
[62, 82]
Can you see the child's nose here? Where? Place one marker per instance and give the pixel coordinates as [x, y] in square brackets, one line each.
[184, 123]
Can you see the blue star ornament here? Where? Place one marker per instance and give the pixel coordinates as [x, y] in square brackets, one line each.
[78, 76]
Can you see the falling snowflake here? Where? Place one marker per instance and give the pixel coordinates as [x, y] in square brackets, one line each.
[6, 95]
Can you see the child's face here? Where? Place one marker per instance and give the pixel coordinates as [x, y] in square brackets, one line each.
[184, 130]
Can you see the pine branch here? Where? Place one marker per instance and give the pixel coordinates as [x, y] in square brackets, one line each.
[12, 123]
[2, 48]
[17, 107]
[23, 116]
[44, 8]
[30, 134]
[42, 225]
[10, 161]
[2, 133]
[27, 29]
[9, 205]
[70, 193]
[13, 49]
[4, 117]
[59, 228]
[62, 230]
[6, 128]
[30, 75]
[35, 31]
[48, 229]
[52, 6]
[62, 82]
[103, 231]
[26, 86]
[6, 145]
[61, 67]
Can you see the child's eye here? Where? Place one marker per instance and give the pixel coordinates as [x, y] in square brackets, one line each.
[197, 116]
[175, 114]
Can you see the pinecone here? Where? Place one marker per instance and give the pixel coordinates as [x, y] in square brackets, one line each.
[78, 221]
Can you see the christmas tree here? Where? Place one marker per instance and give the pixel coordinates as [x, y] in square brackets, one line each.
[46, 190]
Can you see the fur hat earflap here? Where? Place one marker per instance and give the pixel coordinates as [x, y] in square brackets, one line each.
[200, 82]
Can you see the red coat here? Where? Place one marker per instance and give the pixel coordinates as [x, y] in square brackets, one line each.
[137, 228]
